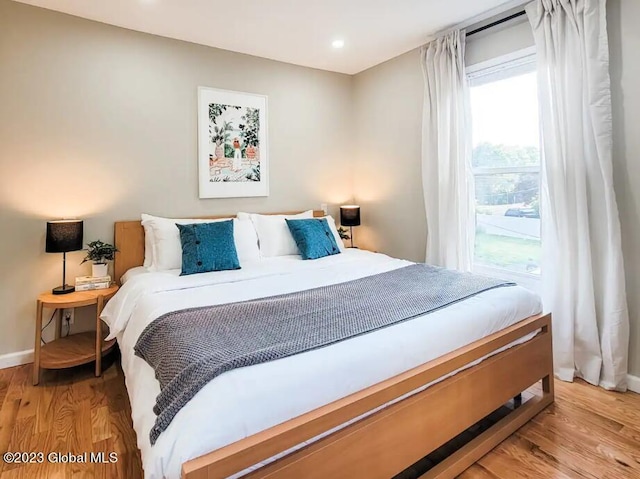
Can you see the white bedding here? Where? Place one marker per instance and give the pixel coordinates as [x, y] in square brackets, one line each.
[247, 400]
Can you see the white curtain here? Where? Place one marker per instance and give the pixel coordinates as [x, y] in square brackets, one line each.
[446, 154]
[582, 268]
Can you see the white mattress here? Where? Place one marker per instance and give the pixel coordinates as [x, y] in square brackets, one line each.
[244, 401]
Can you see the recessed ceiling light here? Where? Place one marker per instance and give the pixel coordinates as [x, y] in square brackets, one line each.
[337, 43]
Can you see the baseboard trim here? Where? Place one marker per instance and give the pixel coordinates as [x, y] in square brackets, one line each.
[633, 383]
[16, 359]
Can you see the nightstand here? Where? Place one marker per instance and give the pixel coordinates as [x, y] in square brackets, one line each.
[75, 349]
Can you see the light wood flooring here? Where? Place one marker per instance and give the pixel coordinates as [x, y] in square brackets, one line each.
[587, 433]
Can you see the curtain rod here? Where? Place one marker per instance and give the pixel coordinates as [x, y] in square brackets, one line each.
[497, 22]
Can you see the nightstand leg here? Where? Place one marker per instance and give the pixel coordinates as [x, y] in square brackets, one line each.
[99, 307]
[36, 347]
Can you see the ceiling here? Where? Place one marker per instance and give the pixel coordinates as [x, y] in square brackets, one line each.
[293, 31]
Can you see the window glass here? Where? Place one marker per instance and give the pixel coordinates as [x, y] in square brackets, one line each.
[506, 168]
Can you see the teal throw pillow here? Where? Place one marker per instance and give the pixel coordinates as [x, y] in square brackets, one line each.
[313, 237]
[208, 247]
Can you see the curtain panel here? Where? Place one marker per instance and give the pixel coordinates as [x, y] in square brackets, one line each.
[446, 154]
[582, 266]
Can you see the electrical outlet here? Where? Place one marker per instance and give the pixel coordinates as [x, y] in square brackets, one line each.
[68, 315]
[323, 207]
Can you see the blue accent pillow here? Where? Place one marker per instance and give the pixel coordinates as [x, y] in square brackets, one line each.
[208, 247]
[313, 237]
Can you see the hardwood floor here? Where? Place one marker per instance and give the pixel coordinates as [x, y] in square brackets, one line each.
[587, 433]
[70, 411]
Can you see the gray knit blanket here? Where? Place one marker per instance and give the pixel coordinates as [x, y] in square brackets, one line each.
[189, 348]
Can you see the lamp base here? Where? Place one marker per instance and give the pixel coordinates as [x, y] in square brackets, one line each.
[66, 289]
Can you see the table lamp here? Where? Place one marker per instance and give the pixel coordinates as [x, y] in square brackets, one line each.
[350, 216]
[64, 236]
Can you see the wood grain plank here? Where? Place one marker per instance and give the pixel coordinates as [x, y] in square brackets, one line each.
[29, 403]
[83, 430]
[58, 471]
[477, 472]
[16, 473]
[584, 445]
[20, 439]
[515, 458]
[108, 471]
[8, 416]
[5, 381]
[622, 408]
[19, 381]
[122, 432]
[45, 409]
[117, 399]
[100, 424]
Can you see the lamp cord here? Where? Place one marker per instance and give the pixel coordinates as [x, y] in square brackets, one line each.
[46, 325]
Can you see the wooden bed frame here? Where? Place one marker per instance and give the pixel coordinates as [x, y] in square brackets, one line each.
[390, 440]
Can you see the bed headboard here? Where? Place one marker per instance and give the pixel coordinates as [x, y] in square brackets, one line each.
[129, 239]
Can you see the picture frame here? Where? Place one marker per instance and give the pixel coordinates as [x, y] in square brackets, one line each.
[233, 155]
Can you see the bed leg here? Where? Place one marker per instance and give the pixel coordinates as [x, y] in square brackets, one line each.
[517, 401]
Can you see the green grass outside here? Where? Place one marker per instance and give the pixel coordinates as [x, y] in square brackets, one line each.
[506, 252]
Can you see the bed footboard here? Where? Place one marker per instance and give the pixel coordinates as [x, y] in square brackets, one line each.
[392, 439]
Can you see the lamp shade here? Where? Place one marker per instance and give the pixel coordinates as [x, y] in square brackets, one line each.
[64, 236]
[350, 215]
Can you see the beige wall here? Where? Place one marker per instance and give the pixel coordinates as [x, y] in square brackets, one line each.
[388, 105]
[499, 41]
[387, 172]
[99, 123]
[624, 44]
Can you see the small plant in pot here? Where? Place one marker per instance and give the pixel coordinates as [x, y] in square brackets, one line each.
[344, 233]
[99, 252]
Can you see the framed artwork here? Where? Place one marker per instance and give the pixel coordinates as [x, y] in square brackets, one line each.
[233, 158]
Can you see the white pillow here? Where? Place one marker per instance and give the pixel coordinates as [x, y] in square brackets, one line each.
[149, 246]
[334, 230]
[167, 249]
[274, 236]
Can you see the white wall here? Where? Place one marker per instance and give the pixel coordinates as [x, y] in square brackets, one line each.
[99, 122]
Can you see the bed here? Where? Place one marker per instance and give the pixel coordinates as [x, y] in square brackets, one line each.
[369, 406]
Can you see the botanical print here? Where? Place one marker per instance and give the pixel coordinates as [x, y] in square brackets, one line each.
[234, 143]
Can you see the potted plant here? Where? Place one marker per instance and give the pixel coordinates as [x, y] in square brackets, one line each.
[99, 252]
[344, 233]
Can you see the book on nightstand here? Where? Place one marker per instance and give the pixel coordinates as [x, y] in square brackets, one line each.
[89, 283]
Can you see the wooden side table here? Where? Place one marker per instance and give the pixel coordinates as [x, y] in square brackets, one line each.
[75, 349]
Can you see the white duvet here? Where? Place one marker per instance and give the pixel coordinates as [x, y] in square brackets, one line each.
[244, 401]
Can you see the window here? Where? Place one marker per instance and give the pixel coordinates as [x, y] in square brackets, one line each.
[506, 168]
